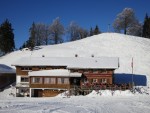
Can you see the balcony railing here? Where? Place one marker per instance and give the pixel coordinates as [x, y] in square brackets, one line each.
[22, 85]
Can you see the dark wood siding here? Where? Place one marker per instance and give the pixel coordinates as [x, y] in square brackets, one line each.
[46, 92]
[19, 70]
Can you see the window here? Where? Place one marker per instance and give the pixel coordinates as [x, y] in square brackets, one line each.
[104, 71]
[104, 80]
[42, 68]
[95, 80]
[86, 71]
[26, 68]
[37, 80]
[95, 71]
[63, 80]
[24, 79]
[48, 80]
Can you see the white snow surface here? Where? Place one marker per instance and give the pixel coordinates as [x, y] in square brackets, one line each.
[70, 62]
[107, 44]
[55, 72]
[104, 101]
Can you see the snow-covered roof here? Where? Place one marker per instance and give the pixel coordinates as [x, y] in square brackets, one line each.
[71, 62]
[94, 63]
[6, 69]
[55, 72]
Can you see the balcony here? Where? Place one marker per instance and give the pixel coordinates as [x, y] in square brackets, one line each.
[22, 84]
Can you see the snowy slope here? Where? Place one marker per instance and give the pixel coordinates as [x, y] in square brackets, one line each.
[107, 44]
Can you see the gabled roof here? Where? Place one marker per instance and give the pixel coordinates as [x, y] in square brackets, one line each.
[55, 72]
[71, 62]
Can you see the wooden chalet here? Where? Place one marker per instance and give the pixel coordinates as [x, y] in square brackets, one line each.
[44, 76]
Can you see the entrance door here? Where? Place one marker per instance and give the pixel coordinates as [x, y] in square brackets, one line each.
[38, 93]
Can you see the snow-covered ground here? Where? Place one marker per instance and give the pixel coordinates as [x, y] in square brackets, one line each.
[95, 102]
[107, 44]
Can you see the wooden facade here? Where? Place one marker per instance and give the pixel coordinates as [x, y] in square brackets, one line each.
[23, 70]
[89, 78]
[42, 84]
[94, 71]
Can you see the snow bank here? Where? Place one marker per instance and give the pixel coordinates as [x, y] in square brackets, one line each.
[120, 102]
[8, 92]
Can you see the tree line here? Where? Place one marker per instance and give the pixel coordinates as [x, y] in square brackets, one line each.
[126, 22]
[43, 34]
[55, 33]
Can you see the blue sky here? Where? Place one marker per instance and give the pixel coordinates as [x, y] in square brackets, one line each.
[87, 13]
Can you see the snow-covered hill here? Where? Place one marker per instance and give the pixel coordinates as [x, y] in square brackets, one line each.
[106, 44]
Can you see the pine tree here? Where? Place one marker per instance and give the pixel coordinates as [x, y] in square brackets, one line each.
[96, 30]
[6, 37]
[31, 43]
[146, 27]
[91, 32]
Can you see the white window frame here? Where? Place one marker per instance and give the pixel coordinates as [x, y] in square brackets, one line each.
[62, 80]
[104, 80]
[48, 80]
[24, 78]
[34, 80]
[26, 68]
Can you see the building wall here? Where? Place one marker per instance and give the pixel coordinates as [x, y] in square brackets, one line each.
[90, 74]
[45, 92]
[99, 74]
[18, 79]
[23, 70]
[41, 84]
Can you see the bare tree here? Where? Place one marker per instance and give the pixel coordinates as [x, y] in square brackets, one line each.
[39, 35]
[73, 31]
[124, 20]
[135, 30]
[76, 32]
[45, 33]
[83, 33]
[56, 31]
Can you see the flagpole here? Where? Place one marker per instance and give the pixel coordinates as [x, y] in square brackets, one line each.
[132, 73]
